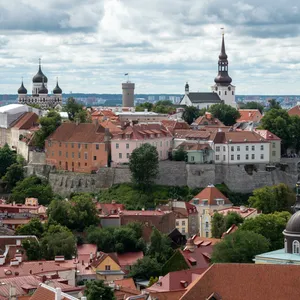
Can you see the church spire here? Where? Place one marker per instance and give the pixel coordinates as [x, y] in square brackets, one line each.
[223, 78]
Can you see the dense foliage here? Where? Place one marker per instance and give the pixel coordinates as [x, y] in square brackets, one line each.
[179, 155]
[269, 199]
[96, 289]
[76, 112]
[190, 114]
[162, 107]
[143, 164]
[225, 113]
[270, 226]
[240, 247]
[7, 158]
[252, 105]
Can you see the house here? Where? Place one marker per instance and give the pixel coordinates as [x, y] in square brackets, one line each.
[141, 116]
[124, 288]
[178, 239]
[187, 221]
[241, 147]
[197, 153]
[77, 147]
[275, 144]
[249, 115]
[295, 111]
[206, 120]
[247, 282]
[175, 281]
[127, 259]
[207, 201]
[109, 213]
[172, 125]
[134, 136]
[243, 211]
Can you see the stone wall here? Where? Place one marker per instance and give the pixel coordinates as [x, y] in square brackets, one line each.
[37, 157]
[171, 173]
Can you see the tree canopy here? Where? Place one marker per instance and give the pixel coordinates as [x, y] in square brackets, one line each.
[14, 174]
[143, 164]
[225, 113]
[270, 226]
[7, 158]
[34, 227]
[32, 186]
[269, 199]
[145, 268]
[180, 155]
[96, 289]
[239, 247]
[252, 105]
[190, 114]
[162, 107]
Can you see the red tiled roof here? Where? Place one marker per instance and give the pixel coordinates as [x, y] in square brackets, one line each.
[172, 295]
[238, 137]
[193, 146]
[208, 119]
[113, 128]
[84, 251]
[268, 135]
[171, 125]
[109, 208]
[26, 121]
[294, 111]
[193, 134]
[82, 133]
[247, 282]
[126, 282]
[249, 115]
[129, 258]
[244, 212]
[142, 213]
[211, 193]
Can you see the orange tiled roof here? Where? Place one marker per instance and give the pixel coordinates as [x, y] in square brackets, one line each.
[268, 135]
[126, 282]
[249, 115]
[294, 111]
[208, 119]
[26, 121]
[211, 193]
[238, 137]
[193, 146]
[113, 128]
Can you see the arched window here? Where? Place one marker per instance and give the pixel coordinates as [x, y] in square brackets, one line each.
[296, 247]
[285, 245]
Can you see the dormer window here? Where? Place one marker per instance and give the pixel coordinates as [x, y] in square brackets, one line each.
[220, 201]
[196, 201]
[204, 202]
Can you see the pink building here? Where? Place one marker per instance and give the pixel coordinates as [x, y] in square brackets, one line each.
[134, 136]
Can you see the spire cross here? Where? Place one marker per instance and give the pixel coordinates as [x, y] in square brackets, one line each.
[39, 61]
[222, 30]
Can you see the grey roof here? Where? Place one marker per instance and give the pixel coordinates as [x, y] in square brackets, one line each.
[110, 272]
[204, 98]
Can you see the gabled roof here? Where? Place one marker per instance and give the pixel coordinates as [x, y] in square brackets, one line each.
[268, 135]
[171, 125]
[294, 111]
[26, 121]
[249, 115]
[208, 119]
[239, 137]
[211, 194]
[204, 97]
[193, 146]
[247, 282]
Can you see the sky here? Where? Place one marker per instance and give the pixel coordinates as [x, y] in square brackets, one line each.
[90, 44]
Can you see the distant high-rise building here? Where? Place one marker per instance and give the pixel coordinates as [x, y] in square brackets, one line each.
[128, 94]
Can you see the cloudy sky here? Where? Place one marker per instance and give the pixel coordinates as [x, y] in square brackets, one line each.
[90, 44]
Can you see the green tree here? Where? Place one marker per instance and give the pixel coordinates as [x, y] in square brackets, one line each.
[7, 158]
[233, 218]
[34, 227]
[218, 226]
[49, 123]
[32, 248]
[190, 114]
[143, 164]
[14, 174]
[278, 122]
[239, 247]
[102, 237]
[273, 104]
[294, 132]
[160, 246]
[152, 280]
[180, 155]
[32, 186]
[269, 199]
[83, 117]
[72, 108]
[270, 226]
[225, 113]
[145, 268]
[58, 240]
[96, 289]
[59, 211]
[143, 106]
[252, 105]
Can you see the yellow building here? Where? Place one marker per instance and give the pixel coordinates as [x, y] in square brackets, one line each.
[107, 268]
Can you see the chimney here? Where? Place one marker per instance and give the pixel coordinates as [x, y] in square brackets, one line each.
[58, 293]
[12, 293]
[2, 260]
[14, 262]
[91, 256]
[190, 245]
[113, 202]
[18, 257]
[59, 258]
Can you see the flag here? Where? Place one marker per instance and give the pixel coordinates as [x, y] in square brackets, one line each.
[126, 74]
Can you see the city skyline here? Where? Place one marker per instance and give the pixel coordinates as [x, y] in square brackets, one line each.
[90, 45]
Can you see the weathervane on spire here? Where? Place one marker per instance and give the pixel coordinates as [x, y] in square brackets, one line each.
[39, 61]
[222, 30]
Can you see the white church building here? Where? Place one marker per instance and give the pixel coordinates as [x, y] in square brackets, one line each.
[221, 92]
[40, 95]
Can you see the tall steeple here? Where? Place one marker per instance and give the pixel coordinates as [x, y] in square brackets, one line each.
[223, 78]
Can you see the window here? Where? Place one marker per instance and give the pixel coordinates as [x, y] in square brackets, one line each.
[72, 154]
[238, 148]
[253, 148]
[107, 268]
[247, 148]
[224, 157]
[261, 147]
[261, 156]
[60, 163]
[79, 145]
[206, 224]
[59, 144]
[66, 154]
[97, 146]
[218, 149]
[232, 148]
[79, 155]
[127, 146]
[85, 155]
[273, 145]
[127, 155]
[161, 143]
[296, 247]
[59, 153]
[49, 143]
[85, 164]
[72, 145]
[183, 223]
[273, 153]
[177, 223]
[95, 157]
[253, 156]
[224, 148]
[217, 157]
[79, 165]
[238, 157]
[192, 158]
[120, 155]
[232, 157]
[183, 230]
[117, 146]
[247, 156]
[232, 92]
[85, 146]
[206, 234]
[225, 92]
[66, 145]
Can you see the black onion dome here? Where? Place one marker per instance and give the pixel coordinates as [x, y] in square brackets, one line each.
[223, 79]
[22, 89]
[187, 86]
[293, 225]
[43, 89]
[57, 89]
[38, 78]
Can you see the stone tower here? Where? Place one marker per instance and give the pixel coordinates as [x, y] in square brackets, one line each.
[128, 94]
